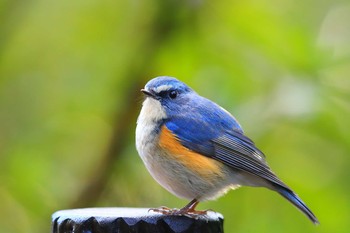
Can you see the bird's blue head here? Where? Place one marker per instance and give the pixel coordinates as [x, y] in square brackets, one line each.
[170, 92]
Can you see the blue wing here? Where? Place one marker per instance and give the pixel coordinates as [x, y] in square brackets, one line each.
[213, 132]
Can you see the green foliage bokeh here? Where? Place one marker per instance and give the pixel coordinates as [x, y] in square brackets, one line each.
[69, 71]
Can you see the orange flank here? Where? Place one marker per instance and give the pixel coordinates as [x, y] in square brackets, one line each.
[206, 167]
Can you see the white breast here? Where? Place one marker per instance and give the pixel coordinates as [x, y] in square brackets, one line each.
[146, 142]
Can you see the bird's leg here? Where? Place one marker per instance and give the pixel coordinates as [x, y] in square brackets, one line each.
[189, 209]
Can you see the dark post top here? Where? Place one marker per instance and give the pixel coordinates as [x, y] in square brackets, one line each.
[125, 220]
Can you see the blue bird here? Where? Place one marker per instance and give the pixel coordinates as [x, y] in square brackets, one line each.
[197, 150]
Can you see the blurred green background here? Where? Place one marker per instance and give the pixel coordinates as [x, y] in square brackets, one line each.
[70, 75]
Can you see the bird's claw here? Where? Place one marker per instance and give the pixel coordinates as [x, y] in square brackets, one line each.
[163, 210]
[179, 212]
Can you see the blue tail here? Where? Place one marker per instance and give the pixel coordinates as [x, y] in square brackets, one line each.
[296, 201]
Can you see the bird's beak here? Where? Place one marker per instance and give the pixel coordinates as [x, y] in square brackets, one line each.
[147, 93]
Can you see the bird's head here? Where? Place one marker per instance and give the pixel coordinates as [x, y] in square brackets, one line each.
[169, 93]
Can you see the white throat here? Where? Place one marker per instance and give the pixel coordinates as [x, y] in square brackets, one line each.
[151, 113]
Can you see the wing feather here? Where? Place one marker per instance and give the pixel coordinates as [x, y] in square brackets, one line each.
[234, 153]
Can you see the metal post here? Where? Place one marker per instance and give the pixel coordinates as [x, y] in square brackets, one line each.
[125, 220]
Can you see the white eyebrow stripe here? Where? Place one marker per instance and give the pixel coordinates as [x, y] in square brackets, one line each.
[162, 88]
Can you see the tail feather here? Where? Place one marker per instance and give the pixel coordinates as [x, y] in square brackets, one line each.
[296, 201]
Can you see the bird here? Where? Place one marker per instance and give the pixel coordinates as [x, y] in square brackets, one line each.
[197, 150]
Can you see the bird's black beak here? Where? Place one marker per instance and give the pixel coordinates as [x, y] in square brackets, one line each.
[147, 93]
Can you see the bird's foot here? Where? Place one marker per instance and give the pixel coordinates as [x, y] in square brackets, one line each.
[179, 212]
[188, 210]
[163, 210]
[174, 211]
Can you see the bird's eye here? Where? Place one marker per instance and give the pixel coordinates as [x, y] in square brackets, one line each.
[173, 94]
